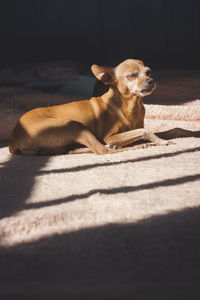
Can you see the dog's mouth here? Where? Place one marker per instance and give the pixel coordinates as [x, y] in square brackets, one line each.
[148, 90]
[145, 90]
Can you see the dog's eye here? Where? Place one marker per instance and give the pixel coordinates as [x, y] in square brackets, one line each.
[148, 73]
[132, 75]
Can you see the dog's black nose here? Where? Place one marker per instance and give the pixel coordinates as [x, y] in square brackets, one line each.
[150, 81]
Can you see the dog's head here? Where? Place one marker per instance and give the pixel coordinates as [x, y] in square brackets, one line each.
[129, 77]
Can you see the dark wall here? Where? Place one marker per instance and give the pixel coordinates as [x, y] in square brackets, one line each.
[164, 33]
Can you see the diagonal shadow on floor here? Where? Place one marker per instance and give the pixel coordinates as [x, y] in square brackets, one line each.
[154, 258]
[107, 164]
[113, 191]
[18, 180]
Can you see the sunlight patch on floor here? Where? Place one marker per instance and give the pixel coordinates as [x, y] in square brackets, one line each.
[34, 229]
[34, 224]
[5, 156]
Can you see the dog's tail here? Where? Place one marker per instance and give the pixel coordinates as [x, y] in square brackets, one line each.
[16, 136]
[13, 147]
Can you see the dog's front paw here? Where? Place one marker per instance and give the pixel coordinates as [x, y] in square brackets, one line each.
[165, 143]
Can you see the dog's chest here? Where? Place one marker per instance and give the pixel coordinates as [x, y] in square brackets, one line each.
[134, 115]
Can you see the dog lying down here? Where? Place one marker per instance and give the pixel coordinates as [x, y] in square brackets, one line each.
[102, 124]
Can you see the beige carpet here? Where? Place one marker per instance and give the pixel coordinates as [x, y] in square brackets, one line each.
[120, 226]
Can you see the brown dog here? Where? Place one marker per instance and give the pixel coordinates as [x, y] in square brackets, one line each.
[115, 119]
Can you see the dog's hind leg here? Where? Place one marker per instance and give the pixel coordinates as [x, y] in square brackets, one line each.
[79, 133]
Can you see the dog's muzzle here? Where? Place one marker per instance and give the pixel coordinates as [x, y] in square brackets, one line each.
[148, 86]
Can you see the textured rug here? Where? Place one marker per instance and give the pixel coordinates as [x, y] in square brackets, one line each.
[120, 226]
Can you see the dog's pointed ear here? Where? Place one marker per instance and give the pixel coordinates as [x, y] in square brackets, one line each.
[105, 74]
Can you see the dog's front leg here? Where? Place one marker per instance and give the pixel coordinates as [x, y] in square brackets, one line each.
[131, 136]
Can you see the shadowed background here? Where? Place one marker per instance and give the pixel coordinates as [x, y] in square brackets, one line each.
[163, 33]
